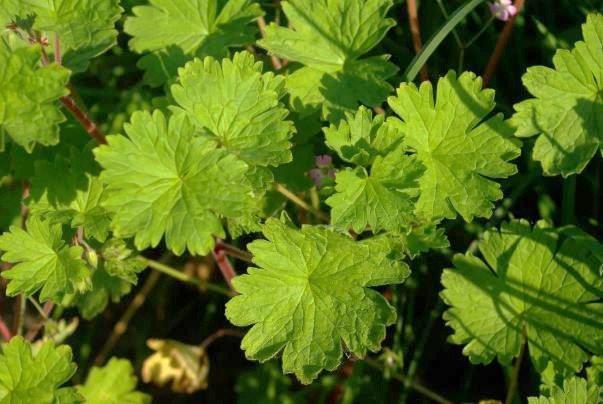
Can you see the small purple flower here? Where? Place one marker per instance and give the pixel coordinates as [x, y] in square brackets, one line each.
[324, 168]
[323, 161]
[503, 9]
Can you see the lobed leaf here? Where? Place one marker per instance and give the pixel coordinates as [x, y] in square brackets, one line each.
[236, 105]
[84, 28]
[382, 200]
[567, 105]
[114, 383]
[27, 377]
[164, 179]
[43, 262]
[29, 112]
[310, 294]
[175, 31]
[535, 282]
[328, 37]
[460, 152]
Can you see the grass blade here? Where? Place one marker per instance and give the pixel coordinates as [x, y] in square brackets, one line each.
[432, 44]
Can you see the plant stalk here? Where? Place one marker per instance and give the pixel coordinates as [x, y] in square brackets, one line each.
[413, 385]
[516, 368]
[300, 202]
[182, 277]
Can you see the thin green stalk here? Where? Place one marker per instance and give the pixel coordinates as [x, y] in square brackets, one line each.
[20, 305]
[420, 348]
[122, 325]
[181, 276]
[456, 36]
[413, 385]
[481, 31]
[300, 202]
[516, 368]
[569, 200]
[455, 18]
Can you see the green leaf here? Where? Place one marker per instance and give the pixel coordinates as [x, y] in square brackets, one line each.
[594, 373]
[382, 200]
[112, 279]
[310, 294]
[114, 383]
[419, 239]
[175, 31]
[43, 261]
[328, 37]
[533, 281]
[460, 153]
[574, 391]
[237, 106]
[29, 112]
[360, 137]
[35, 378]
[567, 105]
[164, 179]
[69, 191]
[85, 28]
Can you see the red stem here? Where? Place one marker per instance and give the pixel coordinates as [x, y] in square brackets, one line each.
[88, 124]
[233, 251]
[276, 62]
[415, 30]
[5, 331]
[501, 44]
[57, 50]
[225, 266]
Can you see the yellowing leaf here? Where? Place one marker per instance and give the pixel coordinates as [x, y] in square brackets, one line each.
[185, 366]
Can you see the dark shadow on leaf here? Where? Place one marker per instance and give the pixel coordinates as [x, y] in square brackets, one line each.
[547, 312]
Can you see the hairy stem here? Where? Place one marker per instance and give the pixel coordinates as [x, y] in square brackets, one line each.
[233, 251]
[5, 331]
[276, 62]
[19, 314]
[516, 368]
[33, 331]
[413, 385]
[415, 30]
[224, 265]
[501, 44]
[122, 325]
[88, 124]
[223, 332]
[300, 202]
[181, 276]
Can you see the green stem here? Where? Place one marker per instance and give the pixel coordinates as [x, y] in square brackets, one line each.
[516, 368]
[181, 276]
[413, 385]
[481, 31]
[19, 314]
[416, 358]
[569, 200]
[122, 325]
[300, 202]
[456, 36]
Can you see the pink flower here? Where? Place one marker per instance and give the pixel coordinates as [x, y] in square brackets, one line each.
[324, 168]
[323, 161]
[503, 9]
